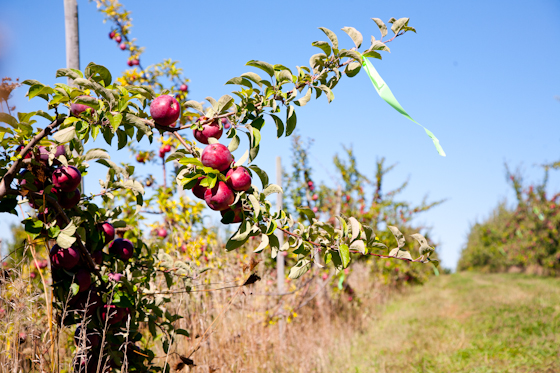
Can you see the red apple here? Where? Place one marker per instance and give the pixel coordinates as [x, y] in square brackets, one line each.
[136, 62]
[211, 129]
[44, 152]
[165, 110]
[162, 232]
[184, 87]
[67, 178]
[315, 197]
[199, 190]
[226, 123]
[122, 46]
[161, 153]
[67, 200]
[315, 209]
[129, 62]
[122, 248]
[118, 39]
[76, 109]
[108, 231]
[112, 34]
[64, 258]
[140, 158]
[239, 179]
[32, 275]
[216, 156]
[83, 279]
[166, 148]
[220, 197]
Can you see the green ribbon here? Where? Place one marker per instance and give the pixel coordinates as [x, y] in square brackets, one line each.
[385, 92]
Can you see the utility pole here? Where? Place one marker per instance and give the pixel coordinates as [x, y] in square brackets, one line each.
[280, 257]
[72, 35]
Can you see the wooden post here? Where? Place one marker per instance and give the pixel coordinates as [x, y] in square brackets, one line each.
[280, 258]
[72, 35]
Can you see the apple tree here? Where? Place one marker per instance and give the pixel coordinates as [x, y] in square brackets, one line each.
[106, 283]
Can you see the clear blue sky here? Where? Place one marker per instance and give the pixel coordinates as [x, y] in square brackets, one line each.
[482, 75]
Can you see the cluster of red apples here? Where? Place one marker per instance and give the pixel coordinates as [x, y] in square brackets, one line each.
[118, 38]
[165, 110]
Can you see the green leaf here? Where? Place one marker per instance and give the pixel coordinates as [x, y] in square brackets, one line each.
[264, 243]
[65, 135]
[256, 136]
[307, 212]
[271, 189]
[355, 35]
[224, 103]
[328, 92]
[372, 54]
[71, 73]
[265, 66]
[38, 90]
[291, 120]
[359, 246]
[381, 25]
[398, 236]
[355, 226]
[74, 288]
[8, 119]
[253, 77]
[96, 153]
[256, 205]
[234, 143]
[344, 252]
[138, 123]
[92, 70]
[238, 80]
[331, 35]
[352, 69]
[399, 25]
[261, 174]
[180, 153]
[317, 60]
[279, 125]
[305, 99]
[65, 241]
[182, 332]
[351, 54]
[325, 47]
[301, 268]
[87, 100]
[115, 120]
[284, 76]
[239, 237]
[401, 254]
[377, 45]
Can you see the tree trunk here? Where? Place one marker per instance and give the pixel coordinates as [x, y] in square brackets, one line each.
[72, 35]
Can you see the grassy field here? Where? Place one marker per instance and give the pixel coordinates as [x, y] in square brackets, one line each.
[464, 322]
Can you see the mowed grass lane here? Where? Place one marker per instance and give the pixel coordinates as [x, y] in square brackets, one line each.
[464, 322]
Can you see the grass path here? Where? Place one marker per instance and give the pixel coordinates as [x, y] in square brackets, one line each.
[464, 322]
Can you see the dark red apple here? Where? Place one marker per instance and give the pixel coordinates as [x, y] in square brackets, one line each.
[162, 232]
[129, 62]
[166, 148]
[226, 123]
[112, 34]
[211, 129]
[165, 110]
[64, 258]
[220, 197]
[232, 215]
[97, 257]
[199, 190]
[113, 313]
[184, 87]
[44, 152]
[67, 178]
[83, 279]
[136, 62]
[122, 248]
[108, 231]
[118, 39]
[216, 156]
[239, 179]
[77, 109]
[67, 200]
[140, 158]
